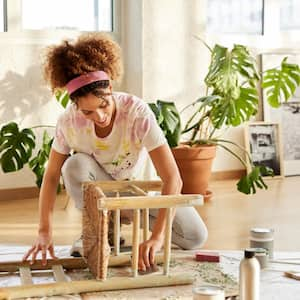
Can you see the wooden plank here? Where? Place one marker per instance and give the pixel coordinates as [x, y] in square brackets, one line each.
[67, 263]
[167, 246]
[123, 185]
[161, 201]
[117, 227]
[145, 214]
[135, 241]
[59, 274]
[138, 190]
[83, 286]
[25, 274]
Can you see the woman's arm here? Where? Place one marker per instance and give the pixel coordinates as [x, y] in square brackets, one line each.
[167, 170]
[46, 204]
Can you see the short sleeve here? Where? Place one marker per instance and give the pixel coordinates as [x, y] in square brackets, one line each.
[59, 143]
[148, 131]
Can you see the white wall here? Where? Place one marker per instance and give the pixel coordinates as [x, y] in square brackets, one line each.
[24, 98]
[175, 62]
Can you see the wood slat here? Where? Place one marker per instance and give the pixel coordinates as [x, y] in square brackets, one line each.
[138, 190]
[123, 186]
[145, 216]
[167, 245]
[135, 241]
[112, 203]
[67, 263]
[59, 274]
[82, 286]
[25, 275]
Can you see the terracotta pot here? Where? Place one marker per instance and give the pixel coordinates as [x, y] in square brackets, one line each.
[194, 164]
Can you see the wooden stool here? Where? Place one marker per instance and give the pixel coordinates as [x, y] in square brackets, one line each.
[96, 248]
[95, 219]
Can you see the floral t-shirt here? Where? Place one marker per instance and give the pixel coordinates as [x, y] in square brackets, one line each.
[122, 153]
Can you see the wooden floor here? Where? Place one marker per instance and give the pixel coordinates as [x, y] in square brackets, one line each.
[229, 217]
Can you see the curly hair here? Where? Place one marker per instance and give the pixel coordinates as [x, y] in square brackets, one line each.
[90, 52]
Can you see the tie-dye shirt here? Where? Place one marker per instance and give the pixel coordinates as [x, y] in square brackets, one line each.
[122, 153]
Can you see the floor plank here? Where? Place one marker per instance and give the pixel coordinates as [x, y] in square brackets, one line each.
[229, 216]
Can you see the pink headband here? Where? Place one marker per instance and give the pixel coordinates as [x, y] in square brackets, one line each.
[85, 79]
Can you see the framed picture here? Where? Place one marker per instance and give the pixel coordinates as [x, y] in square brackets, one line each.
[263, 142]
[288, 115]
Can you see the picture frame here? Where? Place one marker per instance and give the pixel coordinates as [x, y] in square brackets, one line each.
[263, 143]
[288, 115]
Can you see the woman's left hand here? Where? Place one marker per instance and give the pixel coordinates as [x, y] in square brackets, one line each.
[147, 252]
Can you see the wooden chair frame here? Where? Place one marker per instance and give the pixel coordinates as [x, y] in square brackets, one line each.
[95, 243]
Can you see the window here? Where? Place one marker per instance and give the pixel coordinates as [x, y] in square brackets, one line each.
[82, 15]
[233, 16]
[252, 16]
[289, 15]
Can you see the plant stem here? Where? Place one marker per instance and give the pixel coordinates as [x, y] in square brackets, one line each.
[205, 44]
[238, 146]
[42, 126]
[244, 163]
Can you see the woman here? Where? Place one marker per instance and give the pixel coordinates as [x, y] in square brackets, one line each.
[111, 134]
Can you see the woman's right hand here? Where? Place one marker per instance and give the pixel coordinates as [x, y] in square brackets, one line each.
[44, 244]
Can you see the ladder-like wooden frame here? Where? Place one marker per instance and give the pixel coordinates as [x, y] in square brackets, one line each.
[95, 243]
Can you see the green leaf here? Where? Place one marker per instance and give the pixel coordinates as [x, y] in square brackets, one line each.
[39, 162]
[16, 147]
[62, 97]
[233, 77]
[280, 84]
[248, 183]
[168, 119]
[229, 69]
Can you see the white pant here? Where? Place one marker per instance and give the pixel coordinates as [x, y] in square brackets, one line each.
[188, 231]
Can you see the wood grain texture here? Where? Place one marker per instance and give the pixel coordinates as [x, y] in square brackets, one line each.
[73, 287]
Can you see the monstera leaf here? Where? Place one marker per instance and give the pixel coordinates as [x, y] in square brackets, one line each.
[38, 163]
[168, 119]
[248, 183]
[15, 147]
[280, 84]
[233, 77]
[235, 111]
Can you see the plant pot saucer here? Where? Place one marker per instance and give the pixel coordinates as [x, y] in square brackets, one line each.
[208, 195]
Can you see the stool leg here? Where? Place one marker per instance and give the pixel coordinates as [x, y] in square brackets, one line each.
[145, 224]
[135, 241]
[167, 246]
[117, 232]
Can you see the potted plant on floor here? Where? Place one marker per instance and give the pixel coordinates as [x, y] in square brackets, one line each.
[18, 146]
[231, 98]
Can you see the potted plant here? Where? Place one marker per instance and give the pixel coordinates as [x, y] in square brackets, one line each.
[17, 146]
[232, 97]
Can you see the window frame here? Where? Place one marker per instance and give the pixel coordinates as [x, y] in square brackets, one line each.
[242, 33]
[270, 38]
[13, 29]
[4, 16]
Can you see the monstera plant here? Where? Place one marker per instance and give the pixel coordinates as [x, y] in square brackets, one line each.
[232, 97]
[17, 146]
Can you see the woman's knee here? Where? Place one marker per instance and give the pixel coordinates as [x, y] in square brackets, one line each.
[197, 238]
[189, 234]
[74, 165]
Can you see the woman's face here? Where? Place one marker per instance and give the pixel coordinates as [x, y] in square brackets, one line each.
[99, 109]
